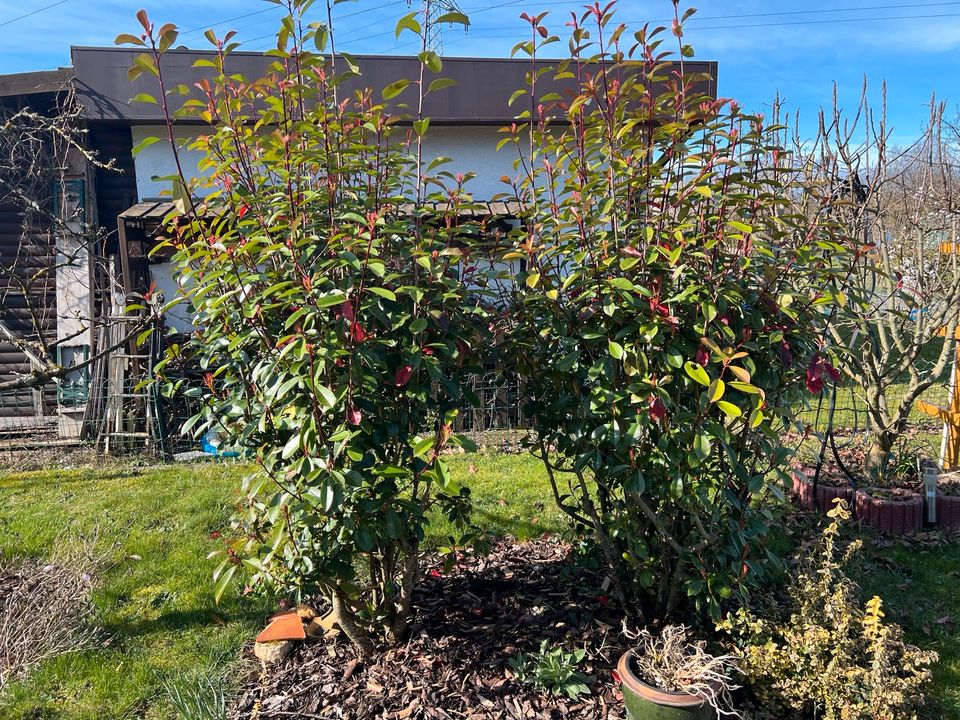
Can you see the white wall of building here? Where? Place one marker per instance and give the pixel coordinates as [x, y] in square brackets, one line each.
[157, 161]
[471, 149]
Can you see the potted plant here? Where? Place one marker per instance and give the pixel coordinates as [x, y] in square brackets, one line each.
[669, 677]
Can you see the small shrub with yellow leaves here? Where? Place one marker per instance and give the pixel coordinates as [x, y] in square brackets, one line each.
[825, 655]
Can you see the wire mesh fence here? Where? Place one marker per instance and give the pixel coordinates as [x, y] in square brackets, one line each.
[845, 413]
[132, 418]
[28, 414]
[498, 403]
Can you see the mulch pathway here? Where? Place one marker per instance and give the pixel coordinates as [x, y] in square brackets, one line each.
[469, 623]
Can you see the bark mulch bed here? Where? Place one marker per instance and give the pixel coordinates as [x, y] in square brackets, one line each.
[469, 623]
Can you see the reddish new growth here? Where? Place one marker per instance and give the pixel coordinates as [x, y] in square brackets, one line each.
[402, 376]
[820, 366]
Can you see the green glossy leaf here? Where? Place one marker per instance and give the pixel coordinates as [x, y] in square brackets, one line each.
[715, 391]
[696, 373]
[440, 84]
[458, 18]
[407, 22]
[383, 292]
[223, 581]
[327, 397]
[702, 445]
[730, 409]
[394, 89]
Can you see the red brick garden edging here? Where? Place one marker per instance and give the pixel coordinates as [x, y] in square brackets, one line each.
[903, 516]
[948, 511]
[803, 489]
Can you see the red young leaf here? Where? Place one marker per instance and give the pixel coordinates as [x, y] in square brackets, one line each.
[347, 311]
[657, 409]
[354, 416]
[703, 356]
[403, 376]
[357, 333]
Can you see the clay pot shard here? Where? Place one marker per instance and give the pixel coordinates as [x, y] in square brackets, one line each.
[271, 653]
[287, 626]
[322, 626]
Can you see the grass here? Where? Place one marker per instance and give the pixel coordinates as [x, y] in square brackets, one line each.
[511, 496]
[919, 589]
[156, 600]
[166, 634]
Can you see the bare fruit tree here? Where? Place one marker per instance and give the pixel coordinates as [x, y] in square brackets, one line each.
[893, 329]
[41, 150]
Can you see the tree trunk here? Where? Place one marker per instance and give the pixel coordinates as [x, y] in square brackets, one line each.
[347, 622]
[875, 463]
[399, 629]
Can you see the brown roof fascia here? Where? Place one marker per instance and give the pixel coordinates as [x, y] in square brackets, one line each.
[480, 97]
[35, 83]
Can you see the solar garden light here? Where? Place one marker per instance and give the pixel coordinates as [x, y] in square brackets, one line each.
[930, 474]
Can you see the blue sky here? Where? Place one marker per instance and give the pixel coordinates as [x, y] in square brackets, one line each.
[762, 47]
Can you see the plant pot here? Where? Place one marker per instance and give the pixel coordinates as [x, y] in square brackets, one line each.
[644, 702]
[948, 511]
[825, 495]
[901, 514]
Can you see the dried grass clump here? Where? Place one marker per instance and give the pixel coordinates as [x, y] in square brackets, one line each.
[45, 609]
[673, 662]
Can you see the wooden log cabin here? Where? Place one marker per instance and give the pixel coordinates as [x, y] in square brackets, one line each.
[55, 277]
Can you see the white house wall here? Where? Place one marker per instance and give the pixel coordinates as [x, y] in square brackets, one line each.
[156, 161]
[471, 149]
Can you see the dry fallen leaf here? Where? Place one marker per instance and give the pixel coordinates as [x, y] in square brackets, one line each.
[374, 687]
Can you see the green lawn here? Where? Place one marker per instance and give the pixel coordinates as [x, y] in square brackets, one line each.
[921, 592]
[158, 610]
[156, 598]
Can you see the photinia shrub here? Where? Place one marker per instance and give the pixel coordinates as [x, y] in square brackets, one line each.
[670, 311]
[333, 320]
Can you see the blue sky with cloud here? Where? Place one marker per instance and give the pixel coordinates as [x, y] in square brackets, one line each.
[798, 49]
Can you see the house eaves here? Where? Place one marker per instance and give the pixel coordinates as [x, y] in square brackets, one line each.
[35, 83]
[481, 95]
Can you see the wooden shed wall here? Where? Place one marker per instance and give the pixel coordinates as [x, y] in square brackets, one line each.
[114, 190]
[27, 252]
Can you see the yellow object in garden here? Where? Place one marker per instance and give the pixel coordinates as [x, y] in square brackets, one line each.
[949, 415]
